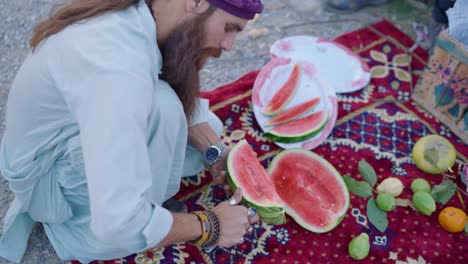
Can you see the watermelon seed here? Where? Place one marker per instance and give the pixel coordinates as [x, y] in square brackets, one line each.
[258, 192]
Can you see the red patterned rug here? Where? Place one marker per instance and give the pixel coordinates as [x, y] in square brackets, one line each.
[379, 124]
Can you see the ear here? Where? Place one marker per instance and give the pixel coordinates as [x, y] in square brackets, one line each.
[196, 6]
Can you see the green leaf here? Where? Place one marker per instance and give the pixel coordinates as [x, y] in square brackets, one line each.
[444, 191]
[432, 156]
[359, 188]
[376, 216]
[367, 172]
[466, 229]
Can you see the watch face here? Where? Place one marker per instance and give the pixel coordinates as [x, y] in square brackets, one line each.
[211, 155]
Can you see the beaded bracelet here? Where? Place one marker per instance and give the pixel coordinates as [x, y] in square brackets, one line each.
[206, 228]
[215, 228]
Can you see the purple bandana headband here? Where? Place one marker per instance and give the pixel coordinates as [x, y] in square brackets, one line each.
[246, 9]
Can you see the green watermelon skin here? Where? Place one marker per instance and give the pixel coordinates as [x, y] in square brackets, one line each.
[242, 156]
[269, 214]
[319, 118]
[312, 190]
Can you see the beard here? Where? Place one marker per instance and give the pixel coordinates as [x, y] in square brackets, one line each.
[184, 57]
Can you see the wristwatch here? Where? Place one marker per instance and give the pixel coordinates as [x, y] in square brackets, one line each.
[213, 153]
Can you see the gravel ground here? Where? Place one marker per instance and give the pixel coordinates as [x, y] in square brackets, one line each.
[281, 18]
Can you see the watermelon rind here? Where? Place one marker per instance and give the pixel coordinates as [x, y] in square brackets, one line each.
[298, 137]
[268, 214]
[271, 213]
[339, 215]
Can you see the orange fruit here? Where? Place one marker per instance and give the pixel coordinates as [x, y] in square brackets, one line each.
[452, 219]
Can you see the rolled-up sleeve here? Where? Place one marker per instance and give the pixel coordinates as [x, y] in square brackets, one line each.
[202, 111]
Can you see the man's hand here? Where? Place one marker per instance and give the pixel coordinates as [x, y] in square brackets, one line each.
[219, 169]
[202, 136]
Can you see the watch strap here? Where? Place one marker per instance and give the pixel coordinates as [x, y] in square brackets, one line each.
[221, 147]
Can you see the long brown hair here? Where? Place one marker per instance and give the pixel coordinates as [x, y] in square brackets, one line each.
[73, 12]
[183, 58]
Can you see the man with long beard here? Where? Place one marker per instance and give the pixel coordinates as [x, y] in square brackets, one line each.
[102, 121]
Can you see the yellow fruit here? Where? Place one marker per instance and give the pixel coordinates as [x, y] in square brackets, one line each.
[452, 219]
[391, 185]
[445, 153]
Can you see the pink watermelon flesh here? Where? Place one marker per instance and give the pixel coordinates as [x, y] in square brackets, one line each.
[307, 186]
[312, 193]
[293, 112]
[298, 126]
[281, 98]
[255, 181]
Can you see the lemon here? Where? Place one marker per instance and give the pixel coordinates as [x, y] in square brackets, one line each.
[438, 149]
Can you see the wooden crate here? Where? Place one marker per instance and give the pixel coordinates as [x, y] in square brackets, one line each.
[443, 88]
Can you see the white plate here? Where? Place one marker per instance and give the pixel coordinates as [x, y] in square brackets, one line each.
[340, 66]
[312, 85]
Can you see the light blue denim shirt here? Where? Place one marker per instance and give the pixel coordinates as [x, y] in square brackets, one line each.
[94, 141]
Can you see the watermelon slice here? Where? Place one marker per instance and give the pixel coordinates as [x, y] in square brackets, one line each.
[304, 184]
[299, 129]
[244, 170]
[312, 190]
[281, 98]
[293, 112]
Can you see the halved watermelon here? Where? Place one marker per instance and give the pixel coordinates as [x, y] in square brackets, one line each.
[293, 112]
[245, 171]
[312, 190]
[299, 129]
[304, 184]
[281, 98]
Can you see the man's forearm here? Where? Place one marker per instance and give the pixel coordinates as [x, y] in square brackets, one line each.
[185, 227]
[202, 136]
